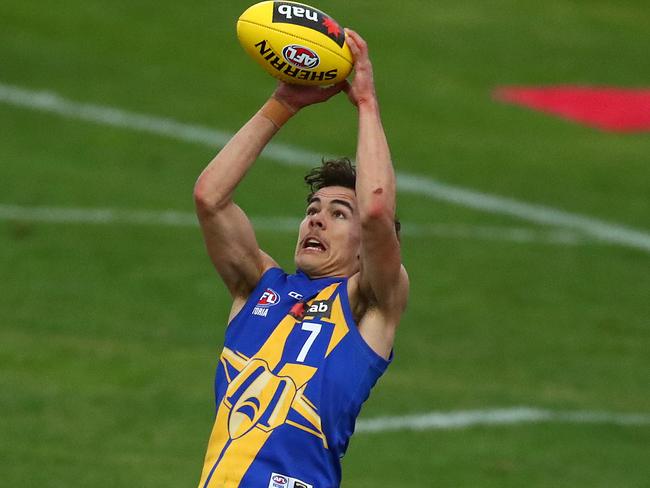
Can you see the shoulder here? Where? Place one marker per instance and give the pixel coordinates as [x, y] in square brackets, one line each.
[270, 274]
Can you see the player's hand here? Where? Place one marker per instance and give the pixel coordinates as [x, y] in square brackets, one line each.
[362, 88]
[295, 97]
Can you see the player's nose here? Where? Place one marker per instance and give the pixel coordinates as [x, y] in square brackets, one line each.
[316, 221]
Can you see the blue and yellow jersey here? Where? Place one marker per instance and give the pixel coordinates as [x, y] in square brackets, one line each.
[290, 383]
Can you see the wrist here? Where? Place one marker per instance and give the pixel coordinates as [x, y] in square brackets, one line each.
[277, 112]
[368, 104]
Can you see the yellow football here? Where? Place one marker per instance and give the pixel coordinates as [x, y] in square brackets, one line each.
[295, 43]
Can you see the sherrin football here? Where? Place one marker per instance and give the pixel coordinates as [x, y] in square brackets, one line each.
[295, 43]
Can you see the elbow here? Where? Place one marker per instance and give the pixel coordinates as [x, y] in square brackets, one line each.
[206, 199]
[202, 200]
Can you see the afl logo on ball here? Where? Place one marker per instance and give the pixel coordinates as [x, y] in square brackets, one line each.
[268, 298]
[300, 56]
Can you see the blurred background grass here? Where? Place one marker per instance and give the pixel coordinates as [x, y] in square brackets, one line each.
[109, 333]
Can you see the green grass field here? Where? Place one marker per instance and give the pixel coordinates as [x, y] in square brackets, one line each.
[109, 333]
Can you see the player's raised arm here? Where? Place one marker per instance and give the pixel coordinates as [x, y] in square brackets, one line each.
[383, 282]
[228, 233]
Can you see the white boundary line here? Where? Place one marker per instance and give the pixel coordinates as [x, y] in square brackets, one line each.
[59, 215]
[502, 416]
[420, 185]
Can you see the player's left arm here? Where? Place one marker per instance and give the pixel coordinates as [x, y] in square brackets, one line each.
[382, 280]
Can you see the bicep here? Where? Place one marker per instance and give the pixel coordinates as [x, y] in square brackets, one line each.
[233, 249]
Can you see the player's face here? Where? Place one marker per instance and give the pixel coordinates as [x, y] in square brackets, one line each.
[330, 234]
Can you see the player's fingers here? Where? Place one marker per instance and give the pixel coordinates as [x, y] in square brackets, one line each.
[360, 55]
[352, 42]
[352, 33]
[359, 43]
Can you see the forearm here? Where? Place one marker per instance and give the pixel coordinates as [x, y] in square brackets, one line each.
[219, 179]
[375, 186]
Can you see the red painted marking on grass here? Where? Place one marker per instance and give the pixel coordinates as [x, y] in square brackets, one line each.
[607, 108]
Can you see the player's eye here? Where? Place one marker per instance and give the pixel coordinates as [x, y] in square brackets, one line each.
[338, 214]
[311, 210]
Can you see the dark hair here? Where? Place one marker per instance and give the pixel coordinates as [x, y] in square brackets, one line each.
[335, 172]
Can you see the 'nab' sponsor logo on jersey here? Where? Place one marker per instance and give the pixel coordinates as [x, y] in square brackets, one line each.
[281, 481]
[289, 13]
[268, 299]
[319, 308]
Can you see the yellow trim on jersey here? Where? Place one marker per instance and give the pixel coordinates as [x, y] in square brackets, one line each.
[340, 325]
[306, 400]
[307, 409]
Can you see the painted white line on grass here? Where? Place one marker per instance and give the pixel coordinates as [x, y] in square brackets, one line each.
[503, 416]
[60, 215]
[409, 183]
[495, 233]
[45, 101]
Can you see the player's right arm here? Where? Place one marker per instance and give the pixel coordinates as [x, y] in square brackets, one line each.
[227, 231]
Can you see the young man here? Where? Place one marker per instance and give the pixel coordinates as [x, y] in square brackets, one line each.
[302, 351]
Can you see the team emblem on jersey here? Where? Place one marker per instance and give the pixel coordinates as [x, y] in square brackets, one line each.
[258, 398]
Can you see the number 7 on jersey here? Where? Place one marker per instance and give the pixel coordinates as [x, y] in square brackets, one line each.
[314, 330]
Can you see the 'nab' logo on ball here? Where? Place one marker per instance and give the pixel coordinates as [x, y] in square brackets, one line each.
[289, 13]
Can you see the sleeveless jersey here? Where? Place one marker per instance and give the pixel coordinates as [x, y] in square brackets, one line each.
[289, 385]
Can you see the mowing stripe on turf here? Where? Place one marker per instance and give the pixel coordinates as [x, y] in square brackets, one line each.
[417, 184]
[502, 416]
[60, 215]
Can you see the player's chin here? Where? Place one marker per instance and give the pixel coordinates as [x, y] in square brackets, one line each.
[308, 260]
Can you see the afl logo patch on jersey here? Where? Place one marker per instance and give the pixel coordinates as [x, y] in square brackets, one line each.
[269, 298]
[279, 480]
[282, 481]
